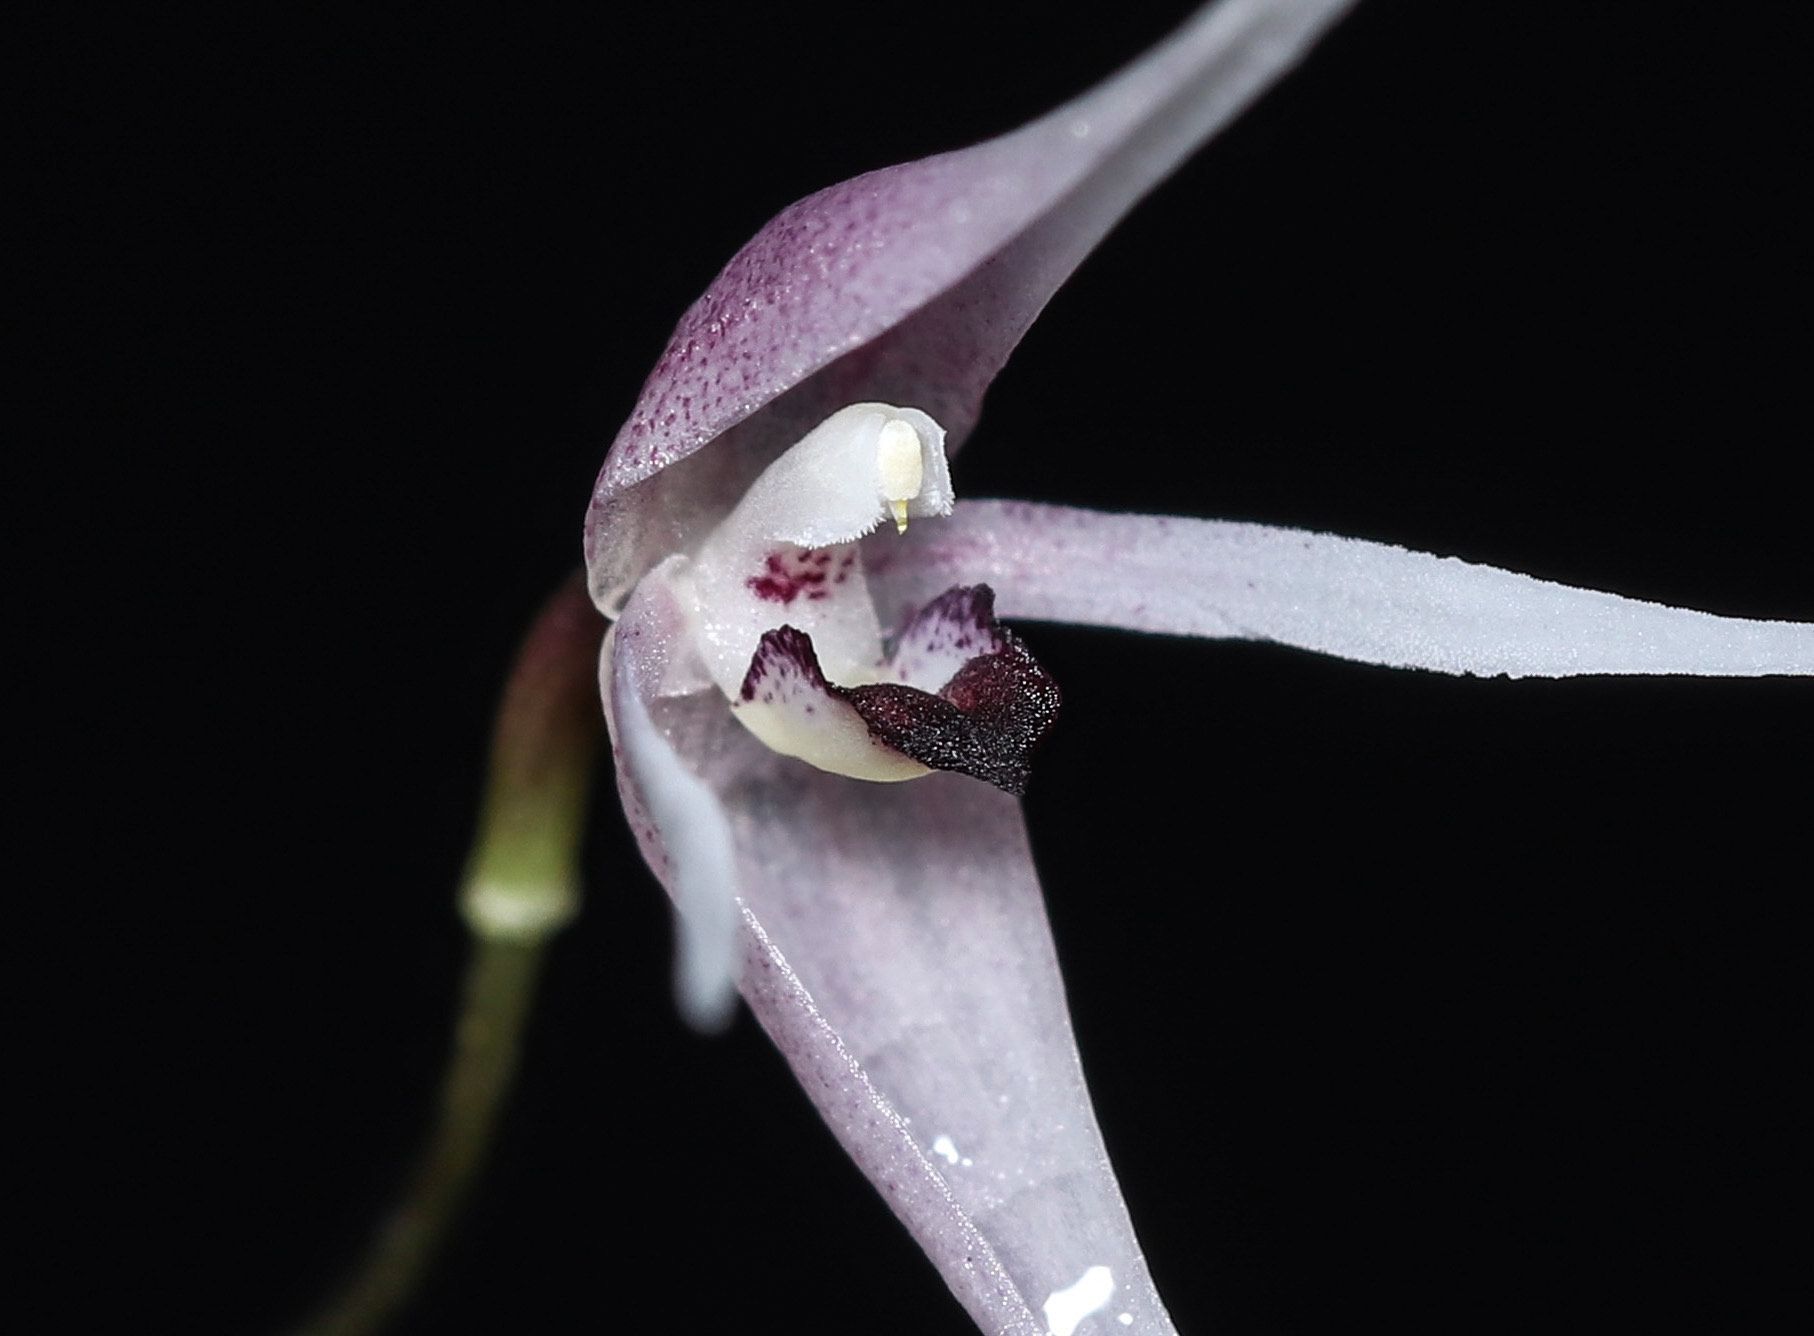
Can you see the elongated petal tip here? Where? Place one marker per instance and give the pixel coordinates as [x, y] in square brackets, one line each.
[1370, 602]
[912, 284]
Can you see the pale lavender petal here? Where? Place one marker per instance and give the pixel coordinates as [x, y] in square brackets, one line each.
[894, 944]
[677, 821]
[911, 285]
[1370, 602]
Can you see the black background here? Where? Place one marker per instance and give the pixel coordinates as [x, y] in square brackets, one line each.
[1445, 1005]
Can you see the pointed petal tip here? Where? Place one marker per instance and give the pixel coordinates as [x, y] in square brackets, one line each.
[1368, 602]
[931, 270]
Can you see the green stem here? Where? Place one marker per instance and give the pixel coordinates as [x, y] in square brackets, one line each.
[520, 888]
[500, 982]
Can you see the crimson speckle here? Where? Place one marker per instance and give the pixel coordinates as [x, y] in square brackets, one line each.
[787, 574]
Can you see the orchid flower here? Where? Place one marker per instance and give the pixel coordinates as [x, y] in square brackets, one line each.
[820, 726]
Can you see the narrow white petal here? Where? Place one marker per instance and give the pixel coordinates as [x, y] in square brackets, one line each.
[1370, 602]
[677, 820]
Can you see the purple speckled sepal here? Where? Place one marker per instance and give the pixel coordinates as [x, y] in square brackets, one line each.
[911, 285]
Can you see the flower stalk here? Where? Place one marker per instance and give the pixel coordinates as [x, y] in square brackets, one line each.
[520, 888]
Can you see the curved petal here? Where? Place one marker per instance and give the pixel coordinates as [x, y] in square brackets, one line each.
[913, 284]
[679, 826]
[1371, 602]
[893, 942]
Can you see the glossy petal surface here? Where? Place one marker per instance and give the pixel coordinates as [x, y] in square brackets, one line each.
[894, 944]
[1371, 602]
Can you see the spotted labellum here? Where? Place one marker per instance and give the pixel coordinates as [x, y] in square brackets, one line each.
[820, 726]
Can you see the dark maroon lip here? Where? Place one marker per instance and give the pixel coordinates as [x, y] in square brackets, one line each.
[985, 722]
